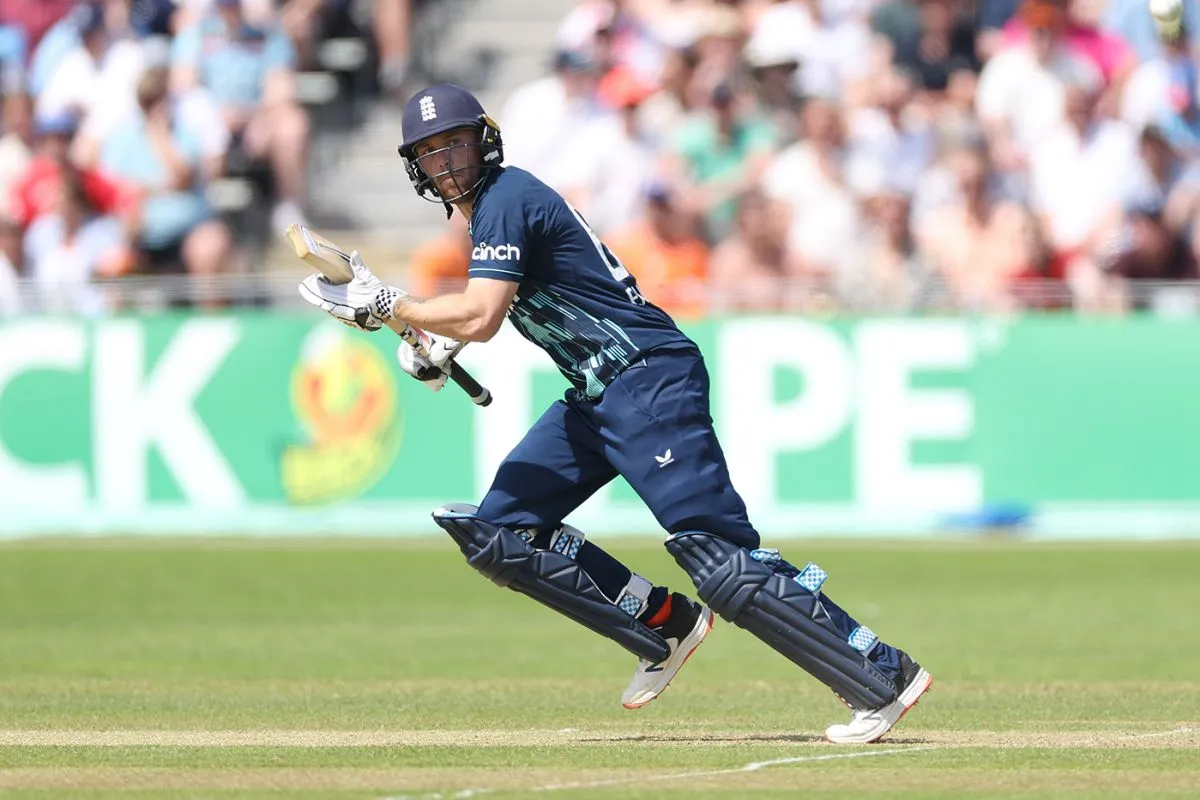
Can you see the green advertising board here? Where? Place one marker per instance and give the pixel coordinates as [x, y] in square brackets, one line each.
[280, 423]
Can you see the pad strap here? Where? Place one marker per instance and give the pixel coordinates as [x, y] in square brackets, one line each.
[566, 541]
[635, 595]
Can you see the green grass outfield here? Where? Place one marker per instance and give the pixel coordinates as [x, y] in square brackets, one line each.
[367, 669]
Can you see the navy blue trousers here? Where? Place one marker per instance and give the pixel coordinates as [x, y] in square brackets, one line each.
[652, 426]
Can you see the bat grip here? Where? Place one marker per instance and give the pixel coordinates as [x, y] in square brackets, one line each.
[479, 395]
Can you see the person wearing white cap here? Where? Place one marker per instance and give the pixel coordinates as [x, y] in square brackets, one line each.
[774, 62]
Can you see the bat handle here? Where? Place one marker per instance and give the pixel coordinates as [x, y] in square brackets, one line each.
[479, 394]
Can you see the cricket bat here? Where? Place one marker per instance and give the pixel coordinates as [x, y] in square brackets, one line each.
[334, 263]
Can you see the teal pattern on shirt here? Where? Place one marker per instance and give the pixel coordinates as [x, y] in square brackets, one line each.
[590, 352]
[574, 299]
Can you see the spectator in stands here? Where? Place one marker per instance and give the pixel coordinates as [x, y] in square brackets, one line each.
[976, 239]
[192, 107]
[718, 47]
[261, 14]
[248, 70]
[774, 66]
[1075, 178]
[67, 248]
[610, 159]
[13, 47]
[34, 17]
[931, 39]
[661, 115]
[163, 160]
[10, 257]
[1162, 180]
[717, 155]
[16, 145]
[787, 29]
[1179, 117]
[61, 38]
[1152, 251]
[97, 77]
[1083, 37]
[1163, 85]
[669, 261]
[304, 21]
[991, 17]
[1132, 22]
[36, 190]
[541, 119]
[750, 270]
[439, 265]
[621, 37]
[1021, 90]
[885, 272]
[834, 56]
[808, 177]
[1159, 195]
[952, 115]
[153, 19]
[891, 131]
[393, 30]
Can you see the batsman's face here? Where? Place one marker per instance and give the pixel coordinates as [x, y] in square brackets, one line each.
[452, 160]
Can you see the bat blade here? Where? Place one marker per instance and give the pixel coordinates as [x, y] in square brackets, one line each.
[320, 253]
[334, 263]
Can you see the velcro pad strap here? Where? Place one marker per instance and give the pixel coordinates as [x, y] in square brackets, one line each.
[634, 596]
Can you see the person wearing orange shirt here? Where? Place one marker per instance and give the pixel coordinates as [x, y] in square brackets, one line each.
[440, 265]
[668, 259]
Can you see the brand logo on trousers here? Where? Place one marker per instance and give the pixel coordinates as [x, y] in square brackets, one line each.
[665, 458]
[500, 252]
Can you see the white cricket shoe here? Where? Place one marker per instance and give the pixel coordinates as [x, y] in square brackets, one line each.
[684, 630]
[871, 725]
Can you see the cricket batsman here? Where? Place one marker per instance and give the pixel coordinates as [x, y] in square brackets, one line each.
[638, 407]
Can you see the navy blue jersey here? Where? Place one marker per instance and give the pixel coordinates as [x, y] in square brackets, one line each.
[575, 299]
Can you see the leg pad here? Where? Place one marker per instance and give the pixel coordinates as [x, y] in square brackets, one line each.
[770, 599]
[551, 578]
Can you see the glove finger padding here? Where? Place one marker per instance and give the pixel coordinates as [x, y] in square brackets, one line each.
[338, 301]
[420, 367]
[360, 269]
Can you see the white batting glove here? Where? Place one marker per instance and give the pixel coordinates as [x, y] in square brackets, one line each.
[364, 303]
[432, 369]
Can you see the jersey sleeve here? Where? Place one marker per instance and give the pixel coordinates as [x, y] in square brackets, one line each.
[500, 241]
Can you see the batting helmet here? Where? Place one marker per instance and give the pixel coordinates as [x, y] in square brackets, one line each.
[439, 109]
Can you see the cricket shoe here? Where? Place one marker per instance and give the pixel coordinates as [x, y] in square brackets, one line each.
[684, 630]
[871, 725]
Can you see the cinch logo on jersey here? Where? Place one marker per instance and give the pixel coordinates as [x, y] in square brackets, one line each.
[503, 252]
[428, 110]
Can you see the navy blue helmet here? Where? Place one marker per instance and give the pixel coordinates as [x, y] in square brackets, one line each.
[439, 109]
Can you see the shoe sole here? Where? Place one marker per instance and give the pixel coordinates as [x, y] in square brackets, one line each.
[907, 699]
[702, 627]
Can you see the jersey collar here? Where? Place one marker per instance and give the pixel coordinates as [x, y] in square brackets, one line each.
[488, 180]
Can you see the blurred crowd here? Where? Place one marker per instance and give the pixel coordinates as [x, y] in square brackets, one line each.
[870, 156]
[120, 115]
[857, 156]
